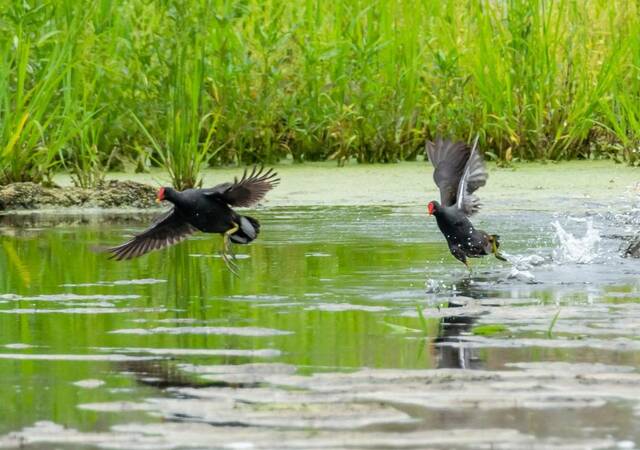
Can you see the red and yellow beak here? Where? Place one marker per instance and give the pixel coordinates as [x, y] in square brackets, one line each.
[160, 195]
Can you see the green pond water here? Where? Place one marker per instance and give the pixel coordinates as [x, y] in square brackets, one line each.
[323, 293]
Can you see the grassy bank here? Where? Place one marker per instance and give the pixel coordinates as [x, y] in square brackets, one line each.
[187, 84]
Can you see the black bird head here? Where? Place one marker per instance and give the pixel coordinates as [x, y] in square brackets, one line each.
[165, 193]
[433, 207]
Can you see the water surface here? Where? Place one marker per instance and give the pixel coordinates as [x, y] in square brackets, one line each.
[347, 326]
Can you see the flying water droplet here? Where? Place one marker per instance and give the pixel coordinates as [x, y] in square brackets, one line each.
[433, 286]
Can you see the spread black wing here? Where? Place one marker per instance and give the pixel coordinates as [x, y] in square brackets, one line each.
[459, 171]
[247, 191]
[167, 230]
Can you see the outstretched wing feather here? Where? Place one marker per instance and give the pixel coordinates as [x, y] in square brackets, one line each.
[458, 173]
[474, 176]
[247, 191]
[167, 230]
[448, 159]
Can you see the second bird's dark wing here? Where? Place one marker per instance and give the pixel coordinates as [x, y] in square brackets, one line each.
[247, 191]
[167, 230]
[459, 171]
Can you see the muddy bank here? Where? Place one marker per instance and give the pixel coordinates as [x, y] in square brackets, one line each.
[110, 194]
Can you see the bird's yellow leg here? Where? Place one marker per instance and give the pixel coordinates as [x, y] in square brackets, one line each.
[227, 254]
[495, 251]
[227, 239]
[494, 246]
[467, 263]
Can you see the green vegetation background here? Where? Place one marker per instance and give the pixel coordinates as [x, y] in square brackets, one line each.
[88, 85]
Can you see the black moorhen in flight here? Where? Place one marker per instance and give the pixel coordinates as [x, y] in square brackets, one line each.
[459, 172]
[206, 210]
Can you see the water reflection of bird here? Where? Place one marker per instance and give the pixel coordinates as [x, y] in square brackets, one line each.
[459, 172]
[206, 210]
[165, 374]
[450, 349]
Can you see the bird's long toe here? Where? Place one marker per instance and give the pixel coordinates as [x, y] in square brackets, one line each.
[230, 263]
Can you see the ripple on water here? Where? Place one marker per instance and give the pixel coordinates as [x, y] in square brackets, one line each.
[257, 298]
[70, 297]
[398, 296]
[221, 331]
[19, 346]
[116, 407]
[82, 310]
[336, 416]
[240, 373]
[215, 255]
[142, 281]
[616, 344]
[339, 307]
[63, 357]
[253, 353]
[575, 320]
[89, 383]
[136, 436]
[167, 320]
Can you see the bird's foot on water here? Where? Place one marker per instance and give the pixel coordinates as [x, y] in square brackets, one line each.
[229, 261]
[227, 251]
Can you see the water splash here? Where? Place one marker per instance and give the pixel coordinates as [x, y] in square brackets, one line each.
[521, 275]
[521, 265]
[525, 262]
[433, 286]
[571, 249]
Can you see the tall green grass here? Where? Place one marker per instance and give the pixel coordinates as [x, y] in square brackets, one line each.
[187, 83]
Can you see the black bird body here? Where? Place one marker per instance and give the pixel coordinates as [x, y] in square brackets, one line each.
[209, 214]
[459, 172]
[206, 210]
[464, 240]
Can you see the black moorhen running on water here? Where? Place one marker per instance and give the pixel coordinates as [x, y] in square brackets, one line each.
[459, 171]
[206, 210]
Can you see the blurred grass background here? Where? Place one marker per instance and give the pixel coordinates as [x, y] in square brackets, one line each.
[184, 84]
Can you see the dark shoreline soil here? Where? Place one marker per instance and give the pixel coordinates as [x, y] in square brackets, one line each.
[110, 194]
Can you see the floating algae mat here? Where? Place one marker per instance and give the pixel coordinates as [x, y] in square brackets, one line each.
[349, 327]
